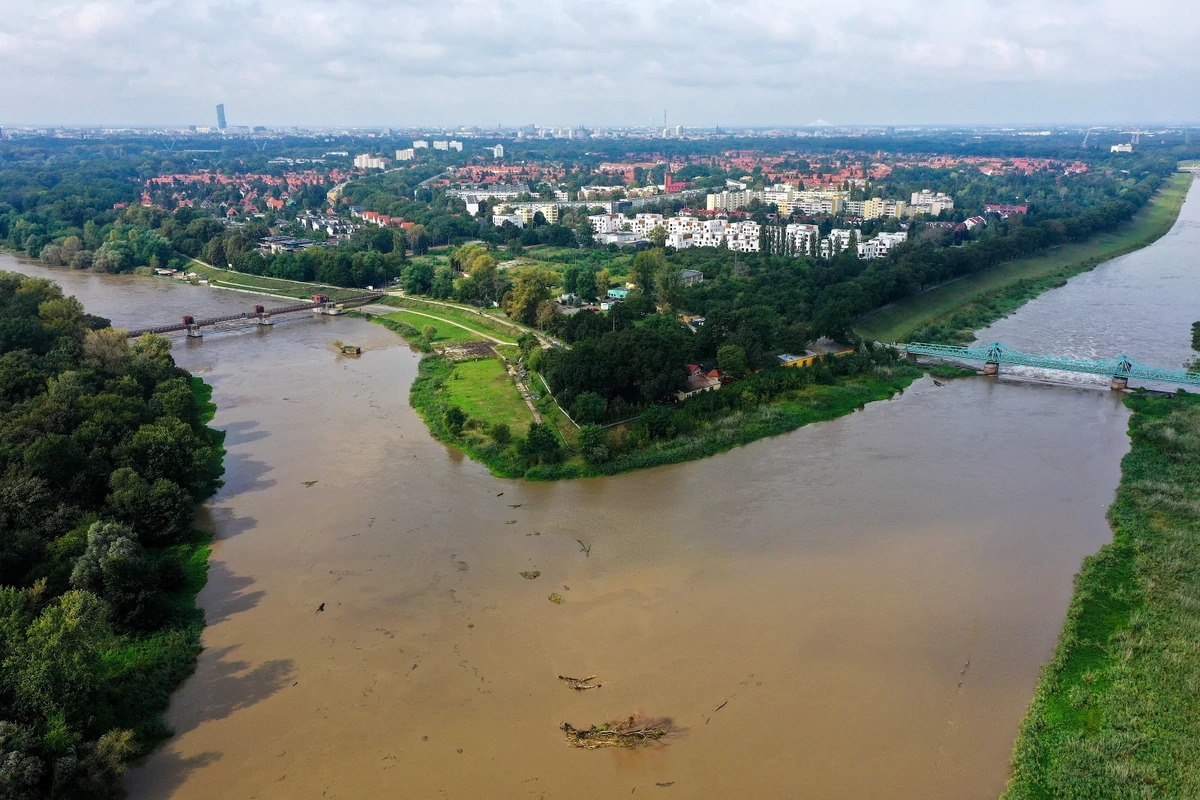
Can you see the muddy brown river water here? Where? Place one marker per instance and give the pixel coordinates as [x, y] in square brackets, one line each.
[867, 600]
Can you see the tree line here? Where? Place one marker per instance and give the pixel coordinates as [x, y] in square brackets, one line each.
[103, 453]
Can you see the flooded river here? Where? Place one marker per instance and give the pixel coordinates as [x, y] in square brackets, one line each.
[866, 601]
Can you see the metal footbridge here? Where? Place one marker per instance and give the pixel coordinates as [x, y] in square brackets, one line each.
[1119, 369]
[260, 315]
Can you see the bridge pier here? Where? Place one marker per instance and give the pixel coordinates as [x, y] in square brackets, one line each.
[193, 332]
[911, 356]
[991, 368]
[1119, 383]
[264, 320]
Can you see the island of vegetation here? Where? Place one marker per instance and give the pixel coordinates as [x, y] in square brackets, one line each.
[104, 452]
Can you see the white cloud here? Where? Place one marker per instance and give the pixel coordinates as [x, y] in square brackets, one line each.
[756, 61]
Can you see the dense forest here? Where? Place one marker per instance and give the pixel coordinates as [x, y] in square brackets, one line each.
[103, 453]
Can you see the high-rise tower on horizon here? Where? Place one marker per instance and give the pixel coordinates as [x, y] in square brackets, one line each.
[221, 117]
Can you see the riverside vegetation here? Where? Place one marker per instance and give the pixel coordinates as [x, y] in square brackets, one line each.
[768, 403]
[104, 451]
[1116, 712]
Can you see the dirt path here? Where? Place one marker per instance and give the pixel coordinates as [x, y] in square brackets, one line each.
[389, 310]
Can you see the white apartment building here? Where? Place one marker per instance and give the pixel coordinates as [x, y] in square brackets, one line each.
[441, 144]
[1121, 148]
[516, 219]
[743, 237]
[421, 144]
[879, 246]
[607, 223]
[498, 151]
[368, 161]
[927, 202]
[837, 241]
[407, 154]
[802, 238]
[453, 145]
[644, 223]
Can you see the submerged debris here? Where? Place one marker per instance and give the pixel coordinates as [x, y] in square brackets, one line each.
[586, 549]
[631, 732]
[580, 684]
[511, 522]
[308, 484]
[556, 598]
[530, 575]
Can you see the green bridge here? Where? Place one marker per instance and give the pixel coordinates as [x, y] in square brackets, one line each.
[1120, 369]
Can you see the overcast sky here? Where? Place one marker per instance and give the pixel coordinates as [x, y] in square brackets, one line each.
[599, 62]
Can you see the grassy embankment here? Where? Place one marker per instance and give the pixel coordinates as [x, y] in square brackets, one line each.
[146, 670]
[952, 312]
[1117, 711]
[483, 386]
[241, 280]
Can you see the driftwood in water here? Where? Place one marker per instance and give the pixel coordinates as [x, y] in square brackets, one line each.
[631, 732]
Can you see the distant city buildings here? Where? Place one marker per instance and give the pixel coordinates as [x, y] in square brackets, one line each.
[221, 117]
[498, 151]
[1121, 148]
[368, 161]
[421, 144]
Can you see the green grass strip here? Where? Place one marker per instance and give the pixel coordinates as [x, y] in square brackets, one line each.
[1116, 715]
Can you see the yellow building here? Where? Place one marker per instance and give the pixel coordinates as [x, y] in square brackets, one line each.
[806, 360]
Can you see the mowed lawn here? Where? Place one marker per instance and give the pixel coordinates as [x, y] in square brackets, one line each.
[894, 323]
[484, 391]
[446, 333]
[463, 316]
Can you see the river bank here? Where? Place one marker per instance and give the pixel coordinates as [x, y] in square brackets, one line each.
[692, 433]
[952, 312]
[1115, 713]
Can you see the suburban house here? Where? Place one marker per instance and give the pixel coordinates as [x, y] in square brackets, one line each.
[691, 276]
[699, 381]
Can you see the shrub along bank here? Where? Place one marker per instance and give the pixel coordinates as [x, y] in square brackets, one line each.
[1117, 711]
[104, 452]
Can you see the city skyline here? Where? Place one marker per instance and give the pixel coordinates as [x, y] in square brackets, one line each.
[359, 63]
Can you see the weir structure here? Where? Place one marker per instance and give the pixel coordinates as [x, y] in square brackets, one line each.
[261, 315]
[1119, 370]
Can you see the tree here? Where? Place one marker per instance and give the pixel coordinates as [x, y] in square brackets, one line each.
[547, 312]
[657, 236]
[540, 445]
[603, 281]
[668, 282]
[114, 567]
[833, 319]
[501, 434]
[587, 407]
[56, 669]
[645, 267]
[530, 288]
[731, 360]
[429, 332]
[418, 278]
[454, 419]
[159, 513]
[657, 421]
[593, 443]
